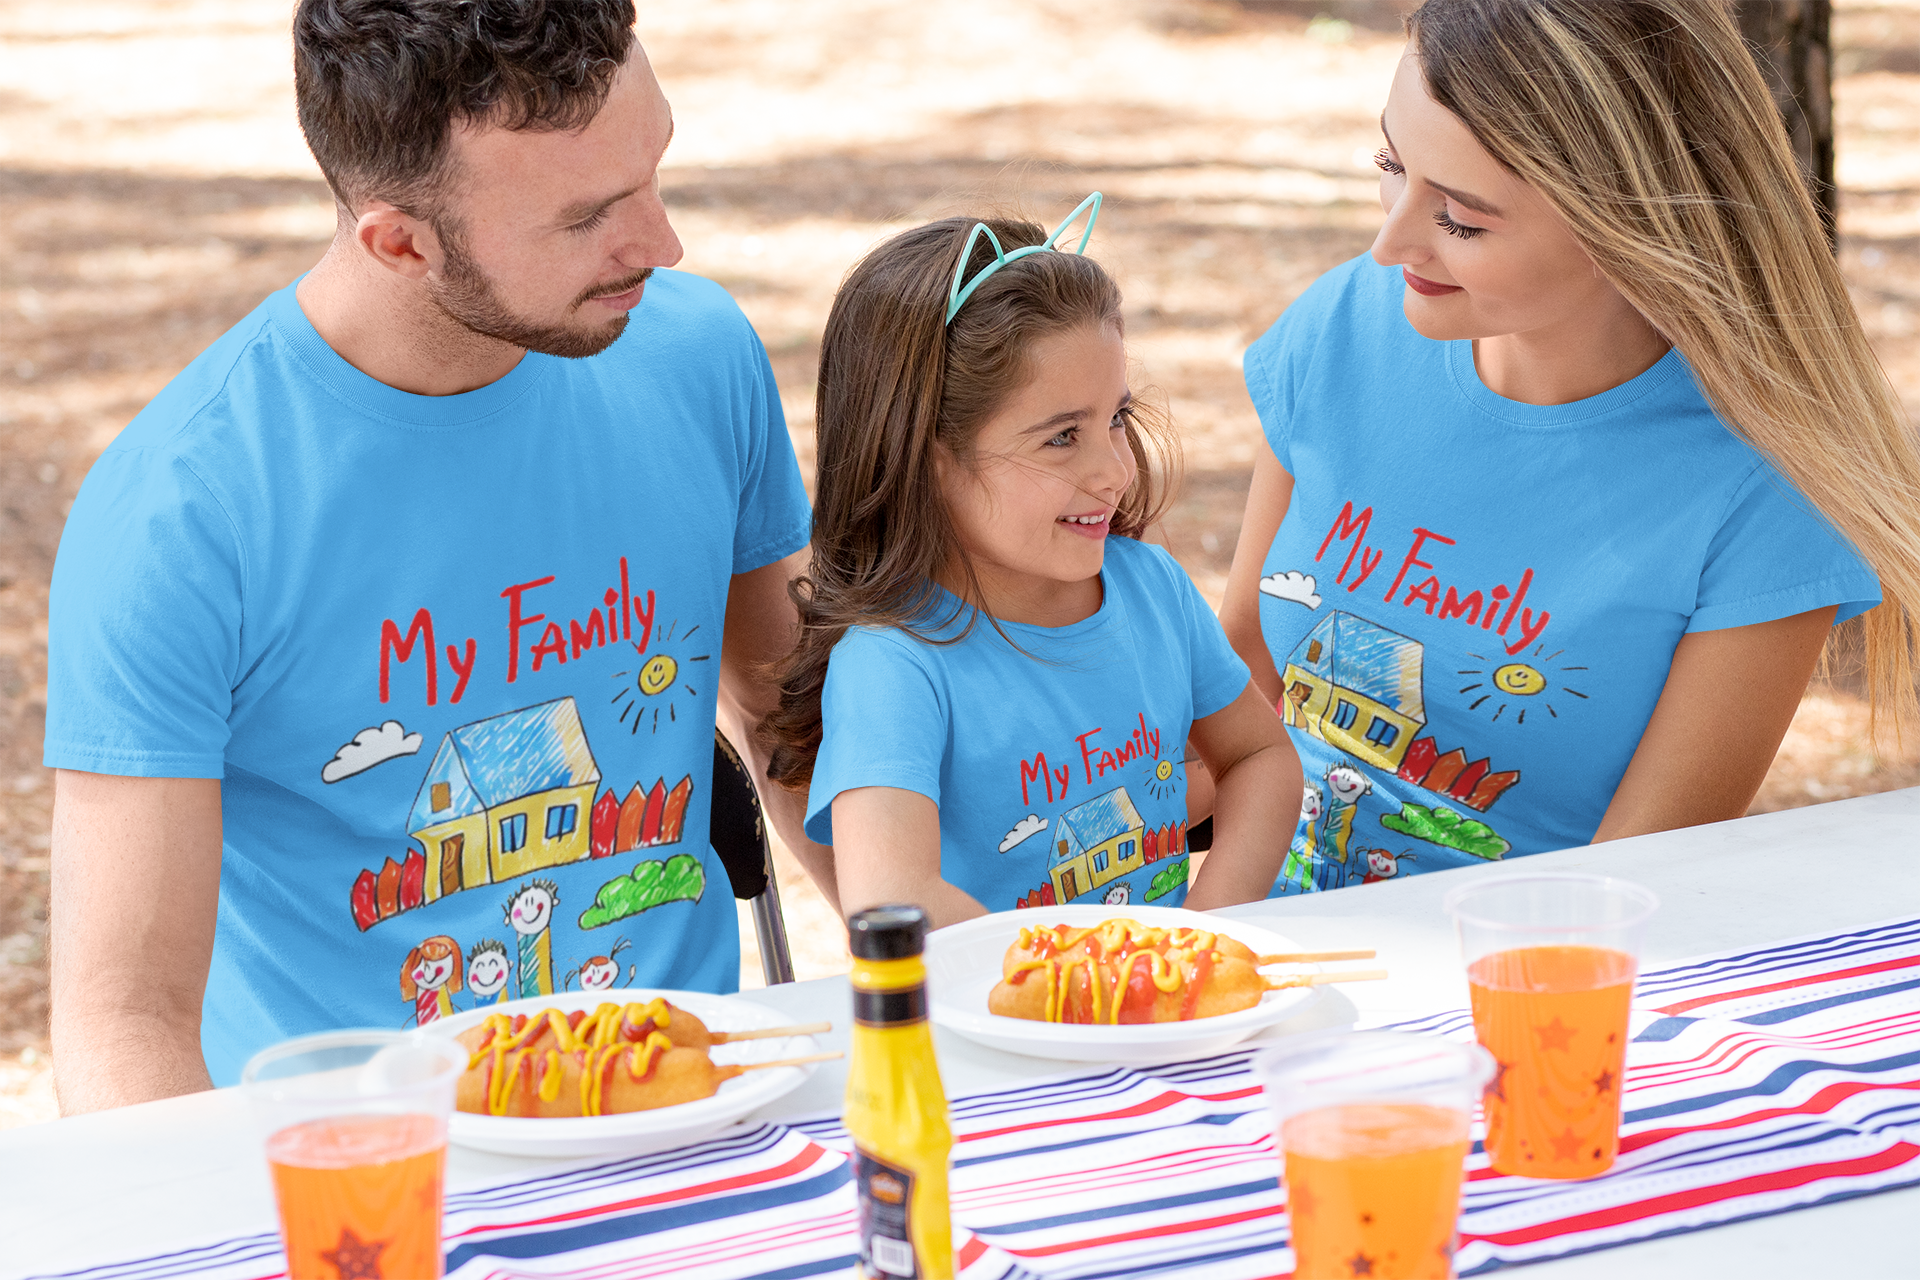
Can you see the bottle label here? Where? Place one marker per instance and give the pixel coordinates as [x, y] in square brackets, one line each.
[889, 1008]
[886, 1246]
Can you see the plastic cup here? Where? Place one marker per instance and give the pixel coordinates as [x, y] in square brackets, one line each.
[1372, 1130]
[355, 1124]
[1551, 961]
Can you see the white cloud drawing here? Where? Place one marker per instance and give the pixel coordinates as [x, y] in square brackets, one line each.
[1031, 825]
[369, 748]
[1292, 585]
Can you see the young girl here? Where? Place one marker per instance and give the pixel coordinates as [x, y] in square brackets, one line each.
[996, 680]
[1569, 481]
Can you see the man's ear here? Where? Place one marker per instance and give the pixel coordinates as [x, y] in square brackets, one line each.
[400, 242]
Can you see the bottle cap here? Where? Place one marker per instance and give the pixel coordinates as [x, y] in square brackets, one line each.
[887, 933]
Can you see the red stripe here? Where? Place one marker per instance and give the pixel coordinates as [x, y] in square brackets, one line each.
[1820, 1103]
[1730, 1053]
[1783, 1180]
[808, 1155]
[1853, 1036]
[1835, 975]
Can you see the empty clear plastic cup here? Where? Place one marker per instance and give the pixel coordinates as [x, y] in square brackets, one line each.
[1551, 961]
[355, 1124]
[1372, 1129]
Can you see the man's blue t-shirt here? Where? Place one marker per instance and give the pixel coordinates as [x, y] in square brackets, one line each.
[1057, 764]
[1473, 603]
[453, 658]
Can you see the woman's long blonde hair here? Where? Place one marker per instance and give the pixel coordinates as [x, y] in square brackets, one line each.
[1646, 124]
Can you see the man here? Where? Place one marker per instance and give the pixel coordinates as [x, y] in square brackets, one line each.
[396, 626]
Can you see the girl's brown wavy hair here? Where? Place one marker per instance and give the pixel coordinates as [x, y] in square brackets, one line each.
[897, 386]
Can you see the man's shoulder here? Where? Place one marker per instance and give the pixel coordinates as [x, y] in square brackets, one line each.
[689, 315]
[203, 391]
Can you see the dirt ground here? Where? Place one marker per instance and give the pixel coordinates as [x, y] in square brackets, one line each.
[154, 187]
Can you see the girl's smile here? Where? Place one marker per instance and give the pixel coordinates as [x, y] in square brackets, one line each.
[1033, 500]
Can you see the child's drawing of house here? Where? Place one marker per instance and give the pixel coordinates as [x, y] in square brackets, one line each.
[1096, 842]
[1356, 686]
[506, 796]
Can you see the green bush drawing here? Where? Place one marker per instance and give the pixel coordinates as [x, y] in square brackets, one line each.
[1441, 825]
[1167, 879]
[680, 878]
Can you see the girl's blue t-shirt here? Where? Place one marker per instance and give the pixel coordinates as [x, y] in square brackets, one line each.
[1473, 603]
[1056, 765]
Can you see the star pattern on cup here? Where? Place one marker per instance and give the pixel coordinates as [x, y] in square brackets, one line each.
[1498, 1085]
[1300, 1202]
[354, 1258]
[1566, 1146]
[1603, 1083]
[1555, 1035]
[1359, 1264]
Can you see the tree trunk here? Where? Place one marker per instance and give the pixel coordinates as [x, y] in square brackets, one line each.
[1792, 41]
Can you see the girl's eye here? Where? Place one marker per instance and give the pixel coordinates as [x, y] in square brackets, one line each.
[1385, 160]
[588, 224]
[1122, 420]
[1064, 440]
[1453, 228]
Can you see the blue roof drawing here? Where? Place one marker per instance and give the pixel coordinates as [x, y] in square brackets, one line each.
[1096, 822]
[1356, 654]
[491, 762]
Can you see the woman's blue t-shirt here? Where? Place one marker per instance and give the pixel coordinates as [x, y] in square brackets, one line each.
[1473, 603]
[1056, 765]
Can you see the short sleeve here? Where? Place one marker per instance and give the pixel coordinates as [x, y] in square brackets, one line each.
[1219, 675]
[143, 627]
[1774, 556]
[775, 518]
[884, 723]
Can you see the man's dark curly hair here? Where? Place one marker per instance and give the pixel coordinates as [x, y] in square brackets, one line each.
[381, 84]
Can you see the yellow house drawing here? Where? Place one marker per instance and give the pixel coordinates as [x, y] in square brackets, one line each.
[1096, 842]
[506, 796]
[1356, 686]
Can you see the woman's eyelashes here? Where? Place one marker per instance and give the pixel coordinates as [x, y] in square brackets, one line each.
[1452, 228]
[1388, 164]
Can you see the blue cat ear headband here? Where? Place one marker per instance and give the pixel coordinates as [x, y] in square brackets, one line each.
[957, 296]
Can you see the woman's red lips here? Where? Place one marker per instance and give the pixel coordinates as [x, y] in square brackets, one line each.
[1430, 288]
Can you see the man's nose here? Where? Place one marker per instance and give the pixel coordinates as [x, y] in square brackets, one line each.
[650, 240]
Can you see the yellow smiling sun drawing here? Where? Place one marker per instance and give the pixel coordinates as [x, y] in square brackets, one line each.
[1517, 681]
[660, 679]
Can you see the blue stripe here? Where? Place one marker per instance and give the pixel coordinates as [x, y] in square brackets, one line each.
[1773, 1016]
[718, 1151]
[828, 1266]
[1260, 1186]
[1774, 1082]
[1216, 1119]
[546, 1243]
[179, 1263]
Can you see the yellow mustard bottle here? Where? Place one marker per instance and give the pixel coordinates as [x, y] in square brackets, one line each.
[896, 1107]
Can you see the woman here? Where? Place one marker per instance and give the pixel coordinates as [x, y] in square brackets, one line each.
[1568, 484]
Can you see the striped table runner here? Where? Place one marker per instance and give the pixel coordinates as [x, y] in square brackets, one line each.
[1758, 1081]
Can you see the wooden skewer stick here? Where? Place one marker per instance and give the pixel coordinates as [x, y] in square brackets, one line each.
[1322, 979]
[792, 1062]
[771, 1033]
[1310, 957]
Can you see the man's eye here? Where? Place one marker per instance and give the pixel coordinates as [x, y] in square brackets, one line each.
[588, 224]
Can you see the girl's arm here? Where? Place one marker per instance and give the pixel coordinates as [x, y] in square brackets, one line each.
[1267, 502]
[1728, 700]
[886, 849]
[1256, 800]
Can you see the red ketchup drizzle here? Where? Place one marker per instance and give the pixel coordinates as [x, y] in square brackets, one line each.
[1202, 970]
[1136, 1004]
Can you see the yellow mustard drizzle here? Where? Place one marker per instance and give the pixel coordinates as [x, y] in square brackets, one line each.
[599, 1036]
[641, 1059]
[550, 1079]
[1122, 942]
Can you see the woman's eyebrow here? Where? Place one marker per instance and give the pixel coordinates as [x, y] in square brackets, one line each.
[1473, 202]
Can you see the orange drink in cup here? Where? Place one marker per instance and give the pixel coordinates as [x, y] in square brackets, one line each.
[1550, 962]
[1372, 1131]
[356, 1138]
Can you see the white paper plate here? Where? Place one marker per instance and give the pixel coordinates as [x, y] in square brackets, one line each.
[640, 1131]
[963, 964]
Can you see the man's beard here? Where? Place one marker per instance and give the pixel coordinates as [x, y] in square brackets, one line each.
[466, 294]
